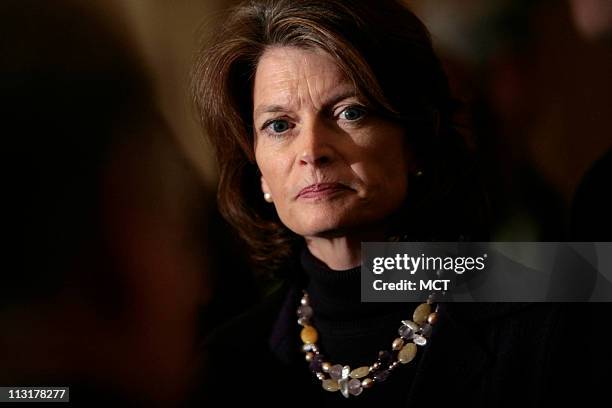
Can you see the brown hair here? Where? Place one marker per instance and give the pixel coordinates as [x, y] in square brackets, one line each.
[386, 52]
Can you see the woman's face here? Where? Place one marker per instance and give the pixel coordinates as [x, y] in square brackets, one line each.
[329, 165]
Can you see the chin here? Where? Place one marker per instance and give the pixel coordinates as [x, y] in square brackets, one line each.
[322, 225]
[330, 221]
[315, 229]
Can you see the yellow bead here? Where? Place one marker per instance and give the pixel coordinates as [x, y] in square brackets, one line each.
[407, 353]
[421, 313]
[330, 385]
[309, 335]
[360, 372]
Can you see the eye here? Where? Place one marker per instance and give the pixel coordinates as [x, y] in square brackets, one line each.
[277, 126]
[352, 113]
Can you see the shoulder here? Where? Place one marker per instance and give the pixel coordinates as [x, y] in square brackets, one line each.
[539, 325]
[553, 352]
[254, 325]
[239, 344]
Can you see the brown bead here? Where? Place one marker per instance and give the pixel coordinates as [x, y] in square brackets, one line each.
[432, 318]
[309, 335]
[325, 366]
[367, 383]
[309, 356]
[397, 344]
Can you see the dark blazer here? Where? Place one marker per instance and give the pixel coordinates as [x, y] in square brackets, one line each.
[480, 355]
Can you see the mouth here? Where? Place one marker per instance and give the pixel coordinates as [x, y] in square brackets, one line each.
[322, 190]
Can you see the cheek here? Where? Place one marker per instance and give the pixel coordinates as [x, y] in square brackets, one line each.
[393, 178]
[385, 163]
[396, 171]
[273, 168]
[385, 172]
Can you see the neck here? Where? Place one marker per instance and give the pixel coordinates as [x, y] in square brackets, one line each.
[341, 252]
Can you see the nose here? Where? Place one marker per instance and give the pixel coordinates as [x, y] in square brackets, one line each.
[316, 147]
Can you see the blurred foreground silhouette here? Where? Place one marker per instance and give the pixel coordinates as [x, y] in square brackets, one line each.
[103, 275]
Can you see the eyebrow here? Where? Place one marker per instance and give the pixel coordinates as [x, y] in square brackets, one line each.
[331, 102]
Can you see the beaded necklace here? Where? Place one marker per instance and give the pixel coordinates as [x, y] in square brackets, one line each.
[338, 377]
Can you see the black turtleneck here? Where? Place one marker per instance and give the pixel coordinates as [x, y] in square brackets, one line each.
[352, 332]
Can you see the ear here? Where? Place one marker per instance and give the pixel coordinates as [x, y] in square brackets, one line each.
[264, 186]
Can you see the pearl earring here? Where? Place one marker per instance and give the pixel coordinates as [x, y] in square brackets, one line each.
[268, 197]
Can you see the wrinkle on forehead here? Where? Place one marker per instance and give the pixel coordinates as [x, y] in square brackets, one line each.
[297, 79]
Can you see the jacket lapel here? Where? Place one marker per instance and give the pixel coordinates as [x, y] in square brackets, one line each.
[284, 341]
[454, 360]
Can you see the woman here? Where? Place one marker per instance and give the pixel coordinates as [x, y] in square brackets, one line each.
[332, 123]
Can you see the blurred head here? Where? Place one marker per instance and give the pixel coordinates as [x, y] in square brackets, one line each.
[593, 18]
[98, 204]
[321, 114]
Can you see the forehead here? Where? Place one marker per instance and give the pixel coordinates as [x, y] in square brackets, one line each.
[287, 75]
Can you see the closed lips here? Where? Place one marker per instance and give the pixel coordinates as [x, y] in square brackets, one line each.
[321, 188]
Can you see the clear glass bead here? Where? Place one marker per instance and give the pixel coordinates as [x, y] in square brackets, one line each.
[405, 332]
[419, 340]
[354, 387]
[344, 389]
[304, 311]
[335, 371]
